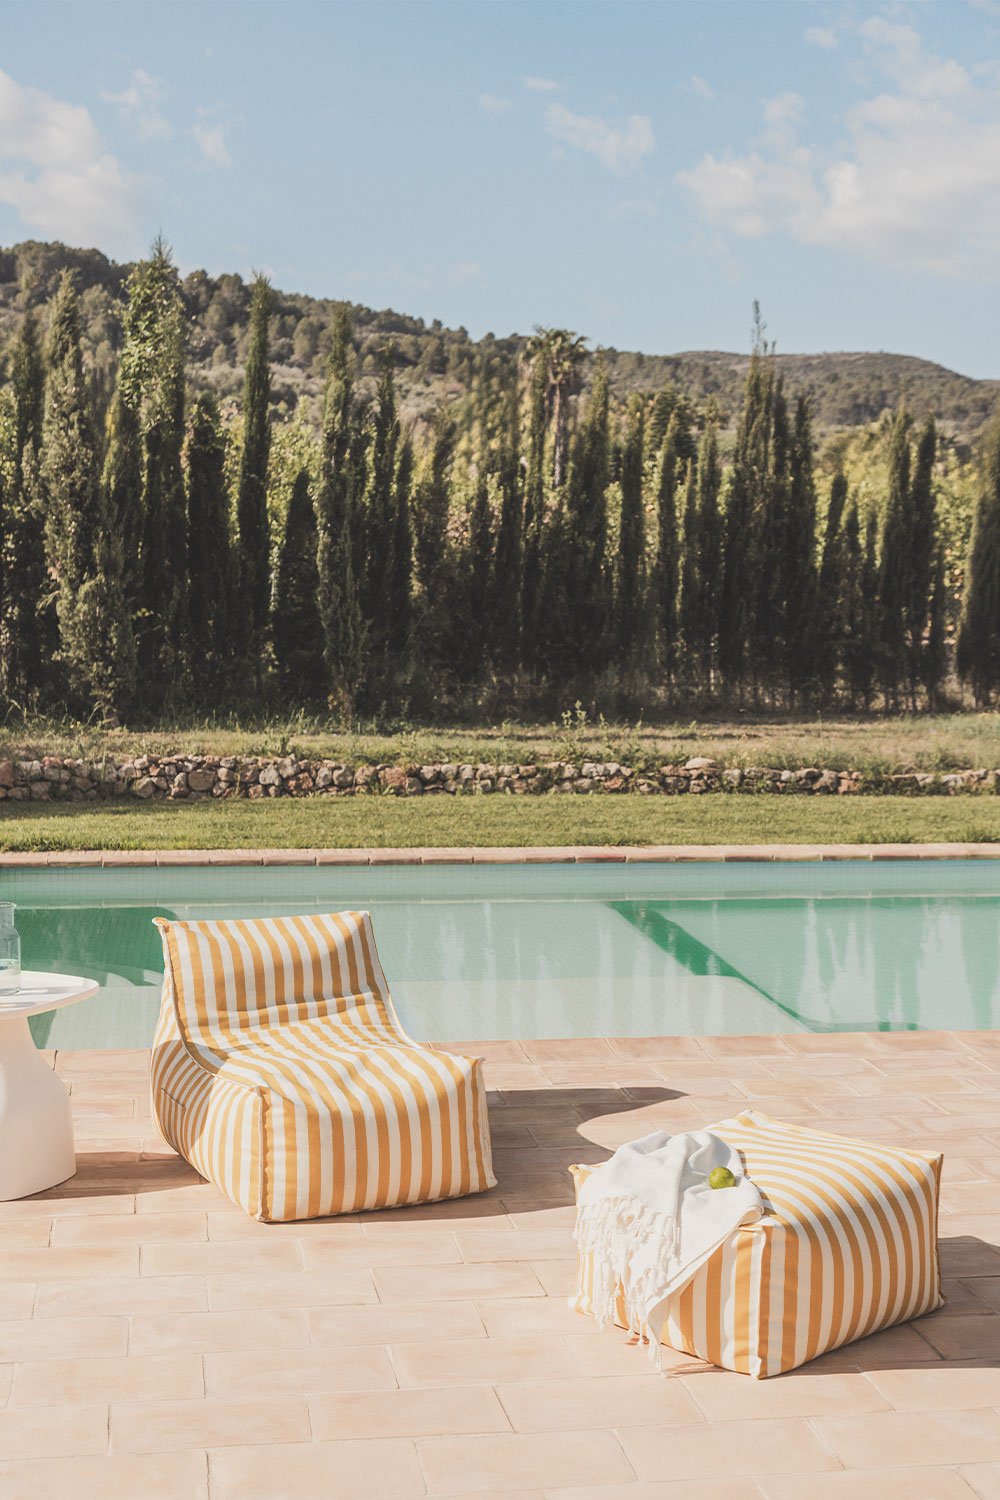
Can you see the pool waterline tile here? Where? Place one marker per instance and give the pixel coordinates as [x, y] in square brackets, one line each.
[580, 854]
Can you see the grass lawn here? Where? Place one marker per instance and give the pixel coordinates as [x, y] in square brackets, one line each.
[874, 743]
[385, 822]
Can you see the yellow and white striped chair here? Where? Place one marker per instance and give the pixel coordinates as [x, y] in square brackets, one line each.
[281, 1072]
[847, 1247]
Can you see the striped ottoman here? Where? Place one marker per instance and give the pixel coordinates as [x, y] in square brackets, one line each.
[848, 1246]
[281, 1072]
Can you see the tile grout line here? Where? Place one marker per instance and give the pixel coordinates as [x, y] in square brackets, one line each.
[826, 1446]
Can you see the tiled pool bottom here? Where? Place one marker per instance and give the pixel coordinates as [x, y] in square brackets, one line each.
[566, 950]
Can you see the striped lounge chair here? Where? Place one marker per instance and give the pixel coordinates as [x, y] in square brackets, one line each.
[847, 1247]
[282, 1074]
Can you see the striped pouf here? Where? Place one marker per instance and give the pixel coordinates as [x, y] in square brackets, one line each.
[282, 1074]
[848, 1246]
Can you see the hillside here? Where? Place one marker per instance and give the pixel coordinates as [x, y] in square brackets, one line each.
[437, 363]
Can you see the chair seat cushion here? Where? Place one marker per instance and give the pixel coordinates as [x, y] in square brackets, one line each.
[848, 1246]
[350, 1126]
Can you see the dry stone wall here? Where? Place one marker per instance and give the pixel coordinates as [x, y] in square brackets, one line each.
[192, 778]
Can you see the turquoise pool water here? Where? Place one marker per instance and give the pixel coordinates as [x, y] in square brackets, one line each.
[477, 952]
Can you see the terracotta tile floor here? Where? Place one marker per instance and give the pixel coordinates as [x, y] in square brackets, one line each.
[154, 1342]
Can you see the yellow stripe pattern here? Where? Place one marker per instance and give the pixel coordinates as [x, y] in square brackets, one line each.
[281, 1072]
[847, 1247]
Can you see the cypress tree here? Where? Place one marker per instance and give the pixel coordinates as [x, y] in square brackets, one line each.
[746, 507]
[152, 385]
[861, 607]
[586, 529]
[827, 623]
[799, 582]
[361, 538]
[6, 543]
[869, 639]
[631, 541]
[72, 503]
[210, 564]
[671, 405]
[402, 556]
[103, 629]
[566, 357]
[895, 580]
[687, 442]
[664, 407]
[432, 503]
[710, 534]
[376, 595]
[8, 555]
[473, 632]
[934, 655]
[94, 629]
[557, 644]
[28, 387]
[769, 616]
[338, 601]
[534, 512]
[28, 630]
[923, 549]
[297, 630]
[978, 655]
[691, 609]
[508, 563]
[122, 481]
[665, 577]
[252, 526]
[853, 602]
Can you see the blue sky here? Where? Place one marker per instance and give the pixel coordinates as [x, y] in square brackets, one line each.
[638, 172]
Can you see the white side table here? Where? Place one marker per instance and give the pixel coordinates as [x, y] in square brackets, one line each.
[36, 1122]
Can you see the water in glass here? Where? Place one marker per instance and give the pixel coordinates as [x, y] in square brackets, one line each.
[10, 951]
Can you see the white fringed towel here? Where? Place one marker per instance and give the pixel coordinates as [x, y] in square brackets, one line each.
[649, 1219]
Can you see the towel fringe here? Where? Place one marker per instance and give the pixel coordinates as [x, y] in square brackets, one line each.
[610, 1231]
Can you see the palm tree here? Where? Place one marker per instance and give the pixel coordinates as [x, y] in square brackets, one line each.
[562, 354]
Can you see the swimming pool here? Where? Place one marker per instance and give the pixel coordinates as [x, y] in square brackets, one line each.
[505, 951]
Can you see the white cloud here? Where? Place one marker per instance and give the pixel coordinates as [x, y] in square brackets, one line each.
[820, 36]
[914, 181]
[782, 116]
[620, 147]
[900, 52]
[464, 271]
[540, 85]
[493, 104]
[639, 208]
[697, 85]
[139, 104]
[55, 172]
[213, 142]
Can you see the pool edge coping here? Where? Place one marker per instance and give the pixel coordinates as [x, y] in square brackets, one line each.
[526, 855]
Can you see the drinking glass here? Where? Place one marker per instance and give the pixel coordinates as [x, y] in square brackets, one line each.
[10, 951]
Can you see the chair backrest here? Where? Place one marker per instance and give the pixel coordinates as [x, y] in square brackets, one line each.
[235, 977]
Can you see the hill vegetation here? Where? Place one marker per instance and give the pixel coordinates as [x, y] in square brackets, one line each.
[434, 364]
[397, 522]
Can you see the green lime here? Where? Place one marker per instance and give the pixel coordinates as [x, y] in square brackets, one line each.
[721, 1177]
